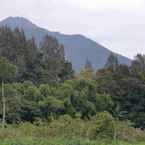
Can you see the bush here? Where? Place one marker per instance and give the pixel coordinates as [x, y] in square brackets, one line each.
[105, 125]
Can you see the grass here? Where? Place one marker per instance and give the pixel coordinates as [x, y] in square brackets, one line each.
[56, 141]
[28, 137]
[61, 141]
[67, 132]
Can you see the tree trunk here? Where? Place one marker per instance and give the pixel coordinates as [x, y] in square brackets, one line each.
[4, 106]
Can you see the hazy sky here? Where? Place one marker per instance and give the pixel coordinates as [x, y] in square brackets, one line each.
[117, 24]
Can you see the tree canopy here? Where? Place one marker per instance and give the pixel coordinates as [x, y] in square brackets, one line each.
[39, 83]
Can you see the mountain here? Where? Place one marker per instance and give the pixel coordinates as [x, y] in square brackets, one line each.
[78, 48]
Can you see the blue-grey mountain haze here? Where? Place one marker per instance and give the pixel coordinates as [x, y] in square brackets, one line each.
[78, 48]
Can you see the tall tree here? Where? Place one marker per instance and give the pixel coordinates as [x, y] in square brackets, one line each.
[46, 64]
[138, 67]
[58, 69]
[7, 73]
[112, 62]
[88, 72]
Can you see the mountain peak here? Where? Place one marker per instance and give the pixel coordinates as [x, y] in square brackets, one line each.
[15, 18]
[17, 21]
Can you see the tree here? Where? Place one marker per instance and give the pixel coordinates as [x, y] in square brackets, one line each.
[46, 64]
[138, 67]
[88, 65]
[104, 102]
[30, 60]
[30, 97]
[87, 72]
[112, 62]
[57, 68]
[13, 101]
[7, 73]
[51, 107]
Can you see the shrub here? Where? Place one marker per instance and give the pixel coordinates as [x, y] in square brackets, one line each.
[105, 125]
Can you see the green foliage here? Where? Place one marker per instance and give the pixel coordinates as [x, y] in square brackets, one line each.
[28, 102]
[38, 86]
[87, 73]
[105, 125]
[112, 62]
[51, 107]
[126, 87]
[68, 131]
[104, 102]
[13, 102]
[138, 67]
[39, 65]
[7, 70]
[130, 134]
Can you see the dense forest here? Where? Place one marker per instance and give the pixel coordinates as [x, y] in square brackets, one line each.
[38, 85]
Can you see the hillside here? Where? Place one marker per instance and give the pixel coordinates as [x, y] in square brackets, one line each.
[78, 48]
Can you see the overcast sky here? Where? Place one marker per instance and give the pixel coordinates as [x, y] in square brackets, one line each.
[117, 24]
